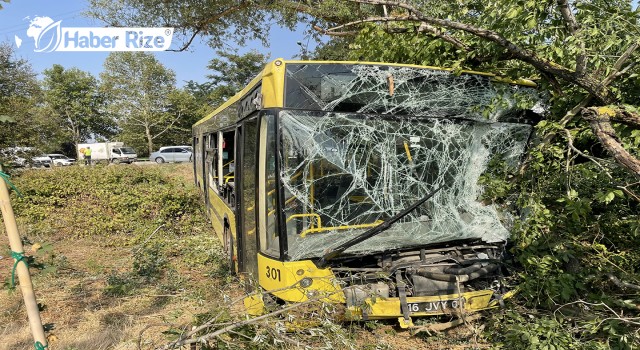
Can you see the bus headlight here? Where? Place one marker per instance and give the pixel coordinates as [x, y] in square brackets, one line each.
[306, 282]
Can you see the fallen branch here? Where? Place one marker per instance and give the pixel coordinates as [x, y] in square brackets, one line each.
[438, 327]
[229, 326]
[593, 159]
[621, 284]
[209, 336]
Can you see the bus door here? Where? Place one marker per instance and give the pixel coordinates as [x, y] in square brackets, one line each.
[203, 164]
[267, 189]
[247, 142]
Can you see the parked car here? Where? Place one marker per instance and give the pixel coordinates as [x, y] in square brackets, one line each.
[42, 161]
[61, 160]
[188, 148]
[15, 156]
[171, 154]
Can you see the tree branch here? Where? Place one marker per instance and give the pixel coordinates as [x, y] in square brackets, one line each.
[585, 81]
[593, 159]
[573, 28]
[169, 126]
[600, 121]
[207, 21]
[622, 284]
[617, 67]
[423, 28]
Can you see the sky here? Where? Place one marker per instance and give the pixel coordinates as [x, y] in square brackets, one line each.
[188, 65]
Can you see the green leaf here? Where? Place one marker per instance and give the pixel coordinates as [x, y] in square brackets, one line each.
[6, 119]
[512, 13]
[609, 197]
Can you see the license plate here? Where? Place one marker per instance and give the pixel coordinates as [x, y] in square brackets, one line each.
[435, 306]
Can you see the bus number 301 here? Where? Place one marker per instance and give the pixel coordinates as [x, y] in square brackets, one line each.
[273, 273]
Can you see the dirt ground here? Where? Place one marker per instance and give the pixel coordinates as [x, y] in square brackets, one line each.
[91, 299]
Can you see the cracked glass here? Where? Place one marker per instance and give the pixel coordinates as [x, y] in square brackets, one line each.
[360, 143]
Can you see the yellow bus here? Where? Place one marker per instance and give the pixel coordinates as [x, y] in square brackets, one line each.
[357, 183]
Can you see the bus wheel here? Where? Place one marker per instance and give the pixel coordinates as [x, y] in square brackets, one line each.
[228, 249]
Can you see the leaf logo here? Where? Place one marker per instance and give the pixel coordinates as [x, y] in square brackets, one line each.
[49, 38]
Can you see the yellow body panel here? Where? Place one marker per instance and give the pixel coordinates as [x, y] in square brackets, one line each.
[219, 209]
[283, 280]
[273, 85]
[217, 212]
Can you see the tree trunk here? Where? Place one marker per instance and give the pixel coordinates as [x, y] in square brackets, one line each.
[147, 131]
[76, 141]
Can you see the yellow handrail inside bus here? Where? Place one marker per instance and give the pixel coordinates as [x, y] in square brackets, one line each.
[224, 165]
[335, 228]
[406, 149]
[306, 215]
[227, 178]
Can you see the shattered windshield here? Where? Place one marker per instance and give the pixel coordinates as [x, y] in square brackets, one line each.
[365, 159]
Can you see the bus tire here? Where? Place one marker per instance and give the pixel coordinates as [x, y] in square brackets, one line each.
[228, 249]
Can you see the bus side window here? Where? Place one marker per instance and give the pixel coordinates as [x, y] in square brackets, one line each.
[228, 166]
[212, 160]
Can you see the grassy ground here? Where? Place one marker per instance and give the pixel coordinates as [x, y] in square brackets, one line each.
[128, 261]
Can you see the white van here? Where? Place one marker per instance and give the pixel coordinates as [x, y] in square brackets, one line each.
[113, 152]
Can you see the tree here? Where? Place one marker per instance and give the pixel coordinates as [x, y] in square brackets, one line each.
[19, 96]
[335, 49]
[231, 73]
[218, 21]
[185, 107]
[73, 99]
[138, 88]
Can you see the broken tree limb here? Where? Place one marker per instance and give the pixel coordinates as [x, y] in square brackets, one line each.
[600, 120]
[21, 268]
[621, 284]
[208, 336]
[438, 327]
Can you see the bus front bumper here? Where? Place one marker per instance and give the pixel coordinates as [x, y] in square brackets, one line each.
[452, 304]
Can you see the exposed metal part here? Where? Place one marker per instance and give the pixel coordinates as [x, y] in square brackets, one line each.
[425, 273]
[356, 295]
[402, 293]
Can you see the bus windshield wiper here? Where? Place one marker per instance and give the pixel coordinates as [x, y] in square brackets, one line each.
[333, 253]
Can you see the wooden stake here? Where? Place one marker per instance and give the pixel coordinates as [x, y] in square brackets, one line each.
[22, 270]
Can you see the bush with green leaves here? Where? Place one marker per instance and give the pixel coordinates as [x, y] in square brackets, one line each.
[106, 201]
[576, 239]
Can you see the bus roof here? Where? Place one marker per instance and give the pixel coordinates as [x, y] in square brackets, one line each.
[269, 67]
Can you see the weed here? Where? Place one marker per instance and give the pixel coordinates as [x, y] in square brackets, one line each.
[149, 262]
[120, 284]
